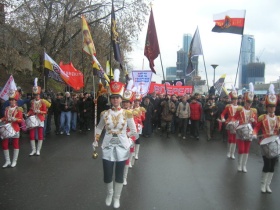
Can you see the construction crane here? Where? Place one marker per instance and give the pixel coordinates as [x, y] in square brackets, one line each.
[259, 56]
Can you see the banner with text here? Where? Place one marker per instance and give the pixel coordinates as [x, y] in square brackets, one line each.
[10, 85]
[178, 90]
[142, 80]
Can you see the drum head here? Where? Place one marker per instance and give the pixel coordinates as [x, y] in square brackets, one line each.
[269, 139]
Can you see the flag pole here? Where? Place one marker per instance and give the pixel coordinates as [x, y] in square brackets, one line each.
[240, 51]
[205, 73]
[238, 61]
[163, 74]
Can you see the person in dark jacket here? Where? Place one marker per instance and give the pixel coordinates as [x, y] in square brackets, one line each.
[148, 127]
[56, 108]
[65, 117]
[85, 111]
[154, 99]
[196, 114]
[210, 111]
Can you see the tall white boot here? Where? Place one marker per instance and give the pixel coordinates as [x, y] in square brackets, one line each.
[240, 161]
[263, 182]
[33, 148]
[15, 157]
[229, 150]
[137, 147]
[130, 159]
[39, 146]
[7, 158]
[268, 181]
[125, 174]
[244, 163]
[233, 151]
[117, 194]
[110, 192]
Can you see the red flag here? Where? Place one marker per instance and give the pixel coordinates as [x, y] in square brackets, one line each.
[76, 78]
[151, 46]
[231, 21]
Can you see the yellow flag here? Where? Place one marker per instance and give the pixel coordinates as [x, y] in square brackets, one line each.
[88, 45]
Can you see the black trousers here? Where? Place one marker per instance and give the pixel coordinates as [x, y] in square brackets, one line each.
[268, 164]
[108, 169]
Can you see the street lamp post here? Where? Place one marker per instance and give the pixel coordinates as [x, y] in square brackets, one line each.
[214, 67]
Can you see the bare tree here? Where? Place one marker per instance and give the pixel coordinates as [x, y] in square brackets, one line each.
[55, 26]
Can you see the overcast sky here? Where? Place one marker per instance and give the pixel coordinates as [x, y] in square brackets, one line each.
[177, 17]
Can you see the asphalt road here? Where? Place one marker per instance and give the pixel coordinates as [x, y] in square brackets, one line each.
[171, 174]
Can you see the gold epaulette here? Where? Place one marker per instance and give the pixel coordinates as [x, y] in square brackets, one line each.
[128, 113]
[261, 117]
[142, 109]
[135, 112]
[103, 112]
[20, 108]
[239, 108]
[254, 110]
[227, 105]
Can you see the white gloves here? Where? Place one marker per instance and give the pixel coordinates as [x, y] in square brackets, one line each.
[252, 120]
[254, 137]
[94, 144]
[37, 111]
[223, 120]
[13, 119]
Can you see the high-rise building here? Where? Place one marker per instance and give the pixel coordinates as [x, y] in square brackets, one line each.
[181, 63]
[247, 56]
[187, 38]
[171, 73]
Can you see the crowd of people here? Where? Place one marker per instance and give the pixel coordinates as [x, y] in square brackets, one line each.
[123, 117]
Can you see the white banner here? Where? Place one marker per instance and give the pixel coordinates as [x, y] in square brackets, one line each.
[10, 85]
[142, 80]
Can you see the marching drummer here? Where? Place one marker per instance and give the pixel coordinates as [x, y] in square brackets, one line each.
[13, 116]
[38, 108]
[116, 144]
[246, 116]
[269, 124]
[230, 111]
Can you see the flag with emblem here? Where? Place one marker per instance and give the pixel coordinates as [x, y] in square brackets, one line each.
[231, 21]
[151, 50]
[219, 84]
[88, 47]
[55, 71]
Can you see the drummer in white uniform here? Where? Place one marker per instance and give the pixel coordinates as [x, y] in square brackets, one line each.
[11, 129]
[116, 144]
[269, 125]
[247, 118]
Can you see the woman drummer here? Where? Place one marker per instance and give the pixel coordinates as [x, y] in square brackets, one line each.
[269, 124]
[13, 115]
[230, 111]
[245, 115]
[39, 109]
[116, 144]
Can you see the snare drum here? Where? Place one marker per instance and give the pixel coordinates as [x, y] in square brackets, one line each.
[270, 147]
[244, 132]
[7, 131]
[31, 122]
[231, 126]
